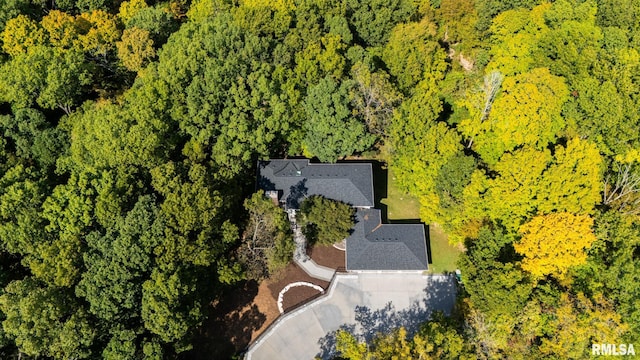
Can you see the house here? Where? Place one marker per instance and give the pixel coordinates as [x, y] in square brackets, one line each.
[372, 245]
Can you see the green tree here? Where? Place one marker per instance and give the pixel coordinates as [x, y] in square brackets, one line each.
[413, 54]
[33, 137]
[331, 130]
[22, 226]
[135, 49]
[66, 81]
[374, 98]
[453, 177]
[439, 338]
[267, 242]
[107, 136]
[10, 9]
[76, 337]
[326, 221]
[421, 146]
[168, 306]
[618, 13]
[157, 21]
[374, 19]
[42, 320]
[457, 21]
[496, 286]
[193, 211]
[488, 9]
[612, 268]
[69, 212]
[52, 78]
[119, 261]
[121, 345]
[570, 48]
[236, 103]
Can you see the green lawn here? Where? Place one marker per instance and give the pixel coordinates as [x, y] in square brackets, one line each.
[401, 206]
[444, 255]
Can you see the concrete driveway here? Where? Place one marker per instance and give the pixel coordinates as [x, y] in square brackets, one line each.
[364, 302]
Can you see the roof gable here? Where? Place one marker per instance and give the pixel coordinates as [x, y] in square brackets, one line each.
[377, 246]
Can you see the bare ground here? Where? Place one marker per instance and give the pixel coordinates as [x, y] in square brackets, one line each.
[327, 256]
[242, 315]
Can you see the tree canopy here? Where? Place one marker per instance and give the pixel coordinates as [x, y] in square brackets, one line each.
[326, 221]
[130, 130]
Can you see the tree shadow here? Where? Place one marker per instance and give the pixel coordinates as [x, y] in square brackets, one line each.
[441, 292]
[297, 193]
[370, 323]
[328, 342]
[440, 295]
[380, 187]
[427, 235]
[229, 326]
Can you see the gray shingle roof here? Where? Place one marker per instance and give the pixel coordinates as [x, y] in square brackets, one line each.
[372, 245]
[377, 246]
[296, 179]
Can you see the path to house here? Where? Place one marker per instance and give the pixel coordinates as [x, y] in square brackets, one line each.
[300, 254]
[306, 332]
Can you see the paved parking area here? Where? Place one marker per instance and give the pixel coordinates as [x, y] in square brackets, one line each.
[378, 300]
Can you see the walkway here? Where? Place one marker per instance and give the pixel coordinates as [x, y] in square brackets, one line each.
[300, 254]
[381, 301]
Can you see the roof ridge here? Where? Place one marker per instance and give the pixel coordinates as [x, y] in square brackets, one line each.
[372, 188]
[415, 256]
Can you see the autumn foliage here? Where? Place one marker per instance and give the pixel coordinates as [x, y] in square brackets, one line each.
[553, 243]
[130, 130]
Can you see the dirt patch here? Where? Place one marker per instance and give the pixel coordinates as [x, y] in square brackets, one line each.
[292, 273]
[327, 256]
[267, 305]
[244, 313]
[230, 324]
[298, 295]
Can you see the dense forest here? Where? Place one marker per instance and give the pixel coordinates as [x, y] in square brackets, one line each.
[130, 130]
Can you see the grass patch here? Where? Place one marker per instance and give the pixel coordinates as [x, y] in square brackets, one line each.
[400, 206]
[444, 254]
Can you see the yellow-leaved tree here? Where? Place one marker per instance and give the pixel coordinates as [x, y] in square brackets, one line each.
[135, 48]
[553, 243]
[20, 34]
[573, 181]
[526, 111]
[62, 29]
[99, 31]
[577, 322]
[130, 8]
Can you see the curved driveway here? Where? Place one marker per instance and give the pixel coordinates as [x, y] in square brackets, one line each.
[366, 302]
